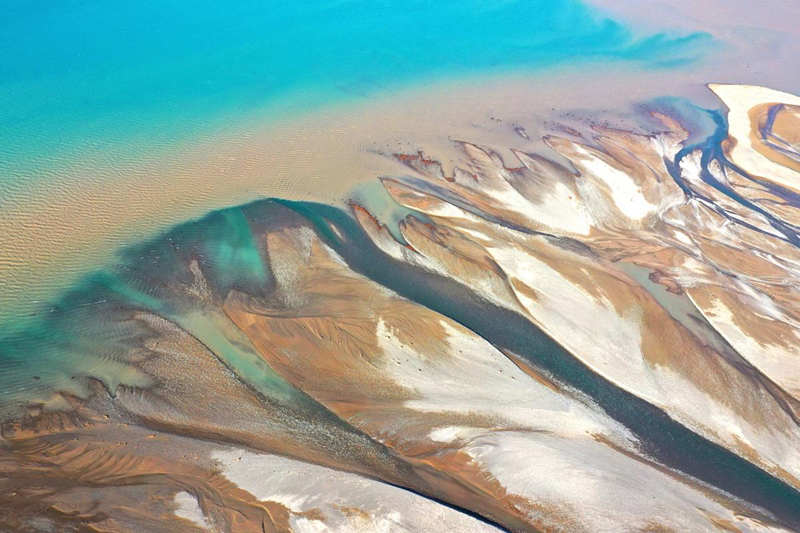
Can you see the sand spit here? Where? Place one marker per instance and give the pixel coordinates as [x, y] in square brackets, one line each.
[748, 107]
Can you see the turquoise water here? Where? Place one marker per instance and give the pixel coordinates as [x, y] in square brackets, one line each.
[89, 77]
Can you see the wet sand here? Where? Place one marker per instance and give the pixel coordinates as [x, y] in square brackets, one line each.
[506, 319]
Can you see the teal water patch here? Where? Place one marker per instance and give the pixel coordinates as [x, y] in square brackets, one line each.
[87, 77]
[94, 332]
[699, 123]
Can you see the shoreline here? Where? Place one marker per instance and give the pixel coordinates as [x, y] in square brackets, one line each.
[67, 227]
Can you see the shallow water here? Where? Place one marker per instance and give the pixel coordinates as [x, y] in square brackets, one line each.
[528, 232]
[116, 123]
[82, 78]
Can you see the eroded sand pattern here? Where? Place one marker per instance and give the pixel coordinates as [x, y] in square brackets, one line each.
[601, 338]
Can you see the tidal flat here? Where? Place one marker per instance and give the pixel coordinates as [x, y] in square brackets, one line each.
[603, 337]
[351, 266]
